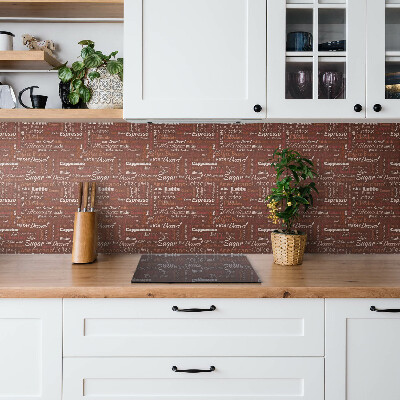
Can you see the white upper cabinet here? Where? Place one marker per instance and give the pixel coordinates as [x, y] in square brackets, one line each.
[316, 58]
[195, 59]
[209, 60]
[383, 59]
[30, 349]
[362, 349]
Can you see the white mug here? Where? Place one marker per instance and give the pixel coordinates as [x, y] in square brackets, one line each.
[6, 40]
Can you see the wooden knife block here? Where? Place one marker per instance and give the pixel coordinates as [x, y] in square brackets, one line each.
[84, 247]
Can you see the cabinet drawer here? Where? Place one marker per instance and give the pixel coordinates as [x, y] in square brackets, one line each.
[233, 378]
[150, 327]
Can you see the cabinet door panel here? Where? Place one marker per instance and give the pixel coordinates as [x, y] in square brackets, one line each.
[194, 59]
[304, 78]
[237, 327]
[233, 378]
[362, 350]
[383, 59]
[30, 349]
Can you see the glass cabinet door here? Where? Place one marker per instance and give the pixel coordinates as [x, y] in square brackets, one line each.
[383, 59]
[316, 59]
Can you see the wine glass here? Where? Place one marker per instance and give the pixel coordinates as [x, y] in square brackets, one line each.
[299, 84]
[331, 85]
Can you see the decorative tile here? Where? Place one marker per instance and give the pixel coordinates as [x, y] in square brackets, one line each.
[192, 188]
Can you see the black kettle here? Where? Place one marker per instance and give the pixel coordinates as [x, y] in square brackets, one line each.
[38, 101]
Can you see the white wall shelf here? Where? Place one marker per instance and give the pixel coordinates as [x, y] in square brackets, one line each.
[62, 9]
[60, 115]
[27, 60]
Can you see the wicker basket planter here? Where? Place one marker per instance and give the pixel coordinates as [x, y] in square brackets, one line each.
[288, 249]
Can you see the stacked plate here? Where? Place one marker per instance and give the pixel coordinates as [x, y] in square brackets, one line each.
[336, 45]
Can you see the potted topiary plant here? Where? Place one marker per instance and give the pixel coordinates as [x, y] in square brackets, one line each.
[285, 201]
[96, 80]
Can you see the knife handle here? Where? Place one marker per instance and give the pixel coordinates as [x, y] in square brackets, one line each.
[92, 196]
[85, 195]
[80, 196]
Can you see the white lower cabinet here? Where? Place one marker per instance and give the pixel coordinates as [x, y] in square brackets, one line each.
[362, 349]
[153, 378]
[30, 349]
[240, 349]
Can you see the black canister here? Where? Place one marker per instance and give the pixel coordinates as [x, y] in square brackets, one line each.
[64, 90]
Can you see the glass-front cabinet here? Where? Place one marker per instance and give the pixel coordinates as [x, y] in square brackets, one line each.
[383, 59]
[316, 58]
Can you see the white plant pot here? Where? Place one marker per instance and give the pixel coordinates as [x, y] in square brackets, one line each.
[106, 90]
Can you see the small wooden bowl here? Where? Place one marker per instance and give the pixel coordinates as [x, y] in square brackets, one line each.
[84, 247]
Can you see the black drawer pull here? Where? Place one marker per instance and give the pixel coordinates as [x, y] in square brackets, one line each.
[193, 371]
[373, 308]
[175, 308]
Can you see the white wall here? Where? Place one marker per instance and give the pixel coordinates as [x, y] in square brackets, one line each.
[107, 36]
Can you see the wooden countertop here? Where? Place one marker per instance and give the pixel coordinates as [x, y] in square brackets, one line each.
[321, 275]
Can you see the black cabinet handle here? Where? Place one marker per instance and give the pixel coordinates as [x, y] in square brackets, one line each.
[257, 108]
[358, 108]
[393, 310]
[193, 371]
[377, 107]
[175, 308]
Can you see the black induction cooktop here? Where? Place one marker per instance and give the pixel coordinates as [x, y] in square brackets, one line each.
[194, 268]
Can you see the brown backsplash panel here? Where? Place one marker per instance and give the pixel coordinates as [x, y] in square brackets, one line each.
[195, 188]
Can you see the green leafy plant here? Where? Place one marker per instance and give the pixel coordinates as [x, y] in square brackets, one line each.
[79, 70]
[291, 192]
